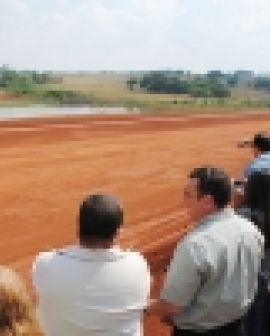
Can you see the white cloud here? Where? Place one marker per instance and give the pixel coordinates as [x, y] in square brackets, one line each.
[134, 34]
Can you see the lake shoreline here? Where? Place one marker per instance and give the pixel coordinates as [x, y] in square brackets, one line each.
[42, 112]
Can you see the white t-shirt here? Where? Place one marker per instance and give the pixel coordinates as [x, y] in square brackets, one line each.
[85, 292]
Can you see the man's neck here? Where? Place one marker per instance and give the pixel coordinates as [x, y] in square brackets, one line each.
[97, 245]
[259, 154]
[210, 213]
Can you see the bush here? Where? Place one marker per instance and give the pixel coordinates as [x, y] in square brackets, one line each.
[19, 85]
[158, 82]
[65, 97]
[166, 82]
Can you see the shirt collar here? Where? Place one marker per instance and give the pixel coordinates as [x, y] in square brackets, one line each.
[217, 215]
[264, 155]
[85, 254]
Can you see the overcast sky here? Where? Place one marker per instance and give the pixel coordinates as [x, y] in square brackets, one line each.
[135, 34]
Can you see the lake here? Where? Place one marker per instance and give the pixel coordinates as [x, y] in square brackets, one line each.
[9, 113]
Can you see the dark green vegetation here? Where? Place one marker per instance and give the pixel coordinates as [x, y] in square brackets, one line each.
[212, 84]
[173, 83]
[20, 83]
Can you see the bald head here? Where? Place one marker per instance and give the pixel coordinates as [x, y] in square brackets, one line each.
[100, 218]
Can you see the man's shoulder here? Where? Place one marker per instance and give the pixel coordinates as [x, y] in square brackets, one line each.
[135, 263]
[247, 231]
[45, 258]
[248, 226]
[243, 217]
[202, 242]
[47, 255]
[221, 225]
[243, 222]
[262, 161]
[42, 266]
[134, 257]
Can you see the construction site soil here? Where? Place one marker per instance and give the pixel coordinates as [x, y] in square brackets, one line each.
[49, 165]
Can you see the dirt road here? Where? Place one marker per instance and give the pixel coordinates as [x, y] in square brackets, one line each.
[49, 165]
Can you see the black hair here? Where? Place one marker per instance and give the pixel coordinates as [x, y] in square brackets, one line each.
[257, 199]
[261, 141]
[100, 218]
[214, 182]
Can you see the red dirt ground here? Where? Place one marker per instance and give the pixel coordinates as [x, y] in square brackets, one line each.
[5, 96]
[49, 165]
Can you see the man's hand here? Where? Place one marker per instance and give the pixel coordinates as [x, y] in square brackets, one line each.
[163, 309]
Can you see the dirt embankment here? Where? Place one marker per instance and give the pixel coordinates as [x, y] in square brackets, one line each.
[48, 165]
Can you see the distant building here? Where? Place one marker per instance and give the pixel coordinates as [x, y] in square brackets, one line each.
[244, 76]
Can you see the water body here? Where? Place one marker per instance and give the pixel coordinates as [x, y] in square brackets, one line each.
[9, 113]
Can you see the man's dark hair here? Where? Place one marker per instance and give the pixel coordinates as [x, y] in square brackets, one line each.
[214, 182]
[100, 218]
[261, 141]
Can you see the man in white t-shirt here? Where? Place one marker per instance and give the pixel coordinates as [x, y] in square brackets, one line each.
[93, 287]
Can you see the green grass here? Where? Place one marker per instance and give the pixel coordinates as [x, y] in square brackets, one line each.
[110, 89]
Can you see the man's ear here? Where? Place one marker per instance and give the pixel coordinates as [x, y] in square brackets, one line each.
[208, 202]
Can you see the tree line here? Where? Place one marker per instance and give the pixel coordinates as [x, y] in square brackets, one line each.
[19, 83]
[162, 82]
[214, 83]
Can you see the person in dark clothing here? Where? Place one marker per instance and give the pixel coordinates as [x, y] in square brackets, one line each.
[261, 152]
[256, 207]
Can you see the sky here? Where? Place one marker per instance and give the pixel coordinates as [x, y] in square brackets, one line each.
[93, 35]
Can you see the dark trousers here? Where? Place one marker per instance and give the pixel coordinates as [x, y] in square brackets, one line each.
[232, 329]
[257, 320]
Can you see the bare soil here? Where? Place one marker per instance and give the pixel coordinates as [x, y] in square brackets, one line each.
[49, 165]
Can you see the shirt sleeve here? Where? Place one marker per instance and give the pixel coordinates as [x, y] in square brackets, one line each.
[145, 279]
[185, 275]
[147, 283]
[250, 168]
[39, 270]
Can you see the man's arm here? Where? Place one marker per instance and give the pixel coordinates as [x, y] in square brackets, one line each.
[163, 309]
[181, 284]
